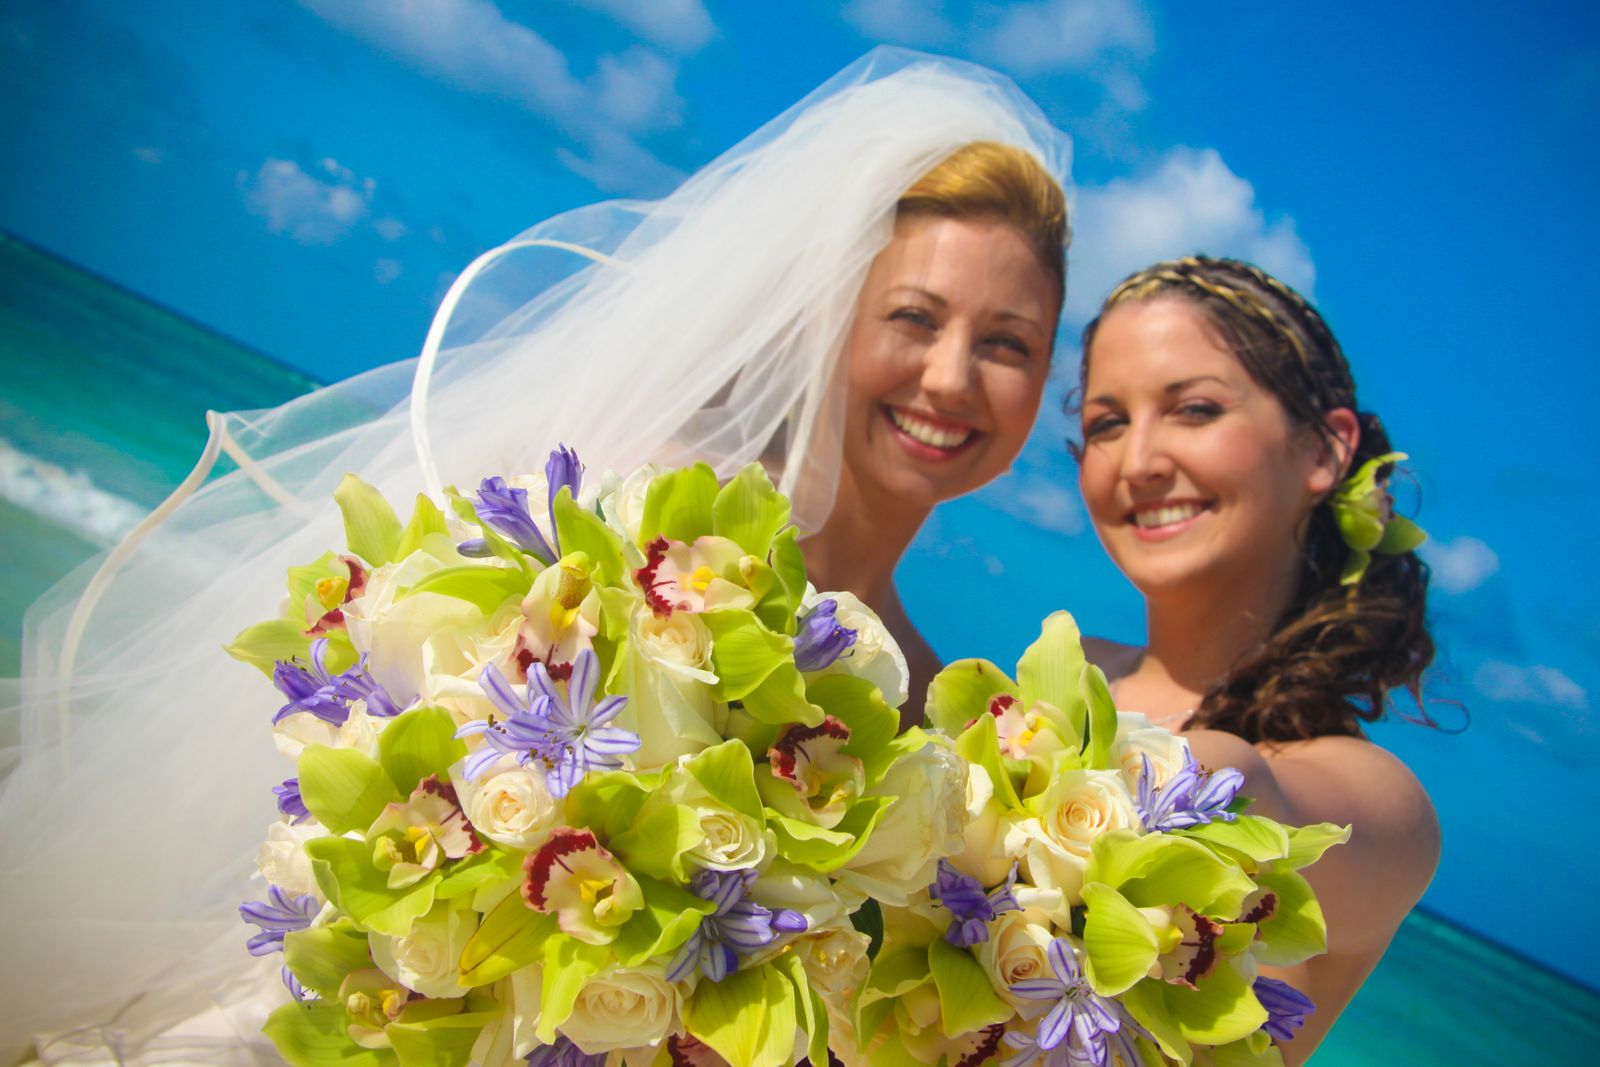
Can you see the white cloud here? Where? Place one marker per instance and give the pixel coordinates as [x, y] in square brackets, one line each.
[682, 25]
[1461, 564]
[1050, 35]
[912, 22]
[386, 270]
[391, 229]
[311, 209]
[470, 44]
[1192, 202]
[1536, 684]
[149, 154]
[1040, 500]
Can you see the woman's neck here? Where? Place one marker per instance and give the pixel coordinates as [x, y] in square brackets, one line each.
[1193, 640]
[859, 546]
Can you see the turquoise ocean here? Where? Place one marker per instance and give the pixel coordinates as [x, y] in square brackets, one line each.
[102, 413]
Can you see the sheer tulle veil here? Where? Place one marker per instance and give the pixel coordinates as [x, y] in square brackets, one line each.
[701, 326]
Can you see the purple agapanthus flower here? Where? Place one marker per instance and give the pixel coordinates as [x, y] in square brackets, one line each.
[564, 1054]
[821, 639]
[737, 927]
[1079, 1023]
[1286, 1006]
[972, 908]
[1191, 797]
[277, 916]
[328, 696]
[505, 510]
[290, 802]
[568, 734]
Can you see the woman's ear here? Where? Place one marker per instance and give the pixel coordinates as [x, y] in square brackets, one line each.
[1337, 447]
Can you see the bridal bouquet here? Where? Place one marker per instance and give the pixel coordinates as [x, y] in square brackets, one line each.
[584, 774]
[1112, 900]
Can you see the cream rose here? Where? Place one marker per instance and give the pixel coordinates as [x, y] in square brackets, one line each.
[622, 500]
[1077, 807]
[680, 643]
[923, 825]
[427, 959]
[622, 1008]
[732, 840]
[875, 655]
[508, 804]
[1137, 739]
[984, 855]
[282, 858]
[394, 631]
[1017, 951]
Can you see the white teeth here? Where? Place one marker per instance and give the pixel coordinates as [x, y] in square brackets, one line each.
[1166, 516]
[928, 433]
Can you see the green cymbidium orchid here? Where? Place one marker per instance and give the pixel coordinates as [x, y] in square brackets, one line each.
[1363, 510]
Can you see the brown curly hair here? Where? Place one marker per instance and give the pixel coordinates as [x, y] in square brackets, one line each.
[1338, 650]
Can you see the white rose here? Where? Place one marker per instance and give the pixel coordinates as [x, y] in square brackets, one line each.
[282, 858]
[1078, 807]
[1136, 739]
[622, 1008]
[451, 655]
[427, 959]
[508, 804]
[680, 643]
[393, 632]
[925, 824]
[875, 656]
[622, 500]
[360, 732]
[732, 840]
[984, 854]
[1017, 951]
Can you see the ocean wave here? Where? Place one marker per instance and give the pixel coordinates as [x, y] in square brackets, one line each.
[67, 498]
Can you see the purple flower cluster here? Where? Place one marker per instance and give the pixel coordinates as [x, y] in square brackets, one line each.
[290, 802]
[328, 696]
[505, 510]
[568, 734]
[737, 927]
[564, 1054]
[1286, 1006]
[1081, 1029]
[971, 907]
[821, 639]
[1192, 797]
[278, 916]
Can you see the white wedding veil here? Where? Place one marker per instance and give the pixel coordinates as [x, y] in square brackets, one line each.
[704, 325]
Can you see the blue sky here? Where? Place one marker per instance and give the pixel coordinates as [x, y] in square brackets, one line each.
[308, 177]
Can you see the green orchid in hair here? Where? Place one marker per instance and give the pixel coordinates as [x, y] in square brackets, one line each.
[1364, 511]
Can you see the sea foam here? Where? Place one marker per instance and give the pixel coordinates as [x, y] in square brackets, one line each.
[67, 498]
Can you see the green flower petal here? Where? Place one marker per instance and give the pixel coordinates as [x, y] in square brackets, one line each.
[426, 521]
[581, 530]
[1222, 1008]
[347, 877]
[747, 1018]
[316, 1033]
[967, 1000]
[1297, 931]
[568, 963]
[321, 956]
[416, 744]
[345, 789]
[750, 511]
[961, 692]
[678, 505]
[371, 528]
[1119, 944]
[1308, 843]
[1163, 869]
[1100, 717]
[1051, 670]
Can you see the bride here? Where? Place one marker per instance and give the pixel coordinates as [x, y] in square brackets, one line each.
[862, 295]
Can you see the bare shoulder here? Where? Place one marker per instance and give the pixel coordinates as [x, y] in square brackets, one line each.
[1113, 657]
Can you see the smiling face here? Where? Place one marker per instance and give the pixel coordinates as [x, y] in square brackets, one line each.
[946, 360]
[1193, 474]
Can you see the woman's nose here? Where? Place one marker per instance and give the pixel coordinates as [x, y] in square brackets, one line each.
[1145, 457]
[947, 364]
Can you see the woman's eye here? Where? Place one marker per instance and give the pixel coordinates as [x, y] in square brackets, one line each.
[913, 316]
[1101, 426]
[1011, 343]
[1199, 410]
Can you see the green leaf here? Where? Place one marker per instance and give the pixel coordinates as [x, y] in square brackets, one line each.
[749, 511]
[967, 1000]
[748, 1018]
[729, 774]
[1148, 1006]
[1308, 843]
[1051, 670]
[1257, 839]
[320, 956]
[1100, 717]
[744, 652]
[426, 520]
[652, 845]
[1220, 1009]
[482, 586]
[581, 530]
[1297, 930]
[1162, 869]
[419, 743]
[510, 937]
[371, 528]
[444, 1040]
[961, 693]
[345, 789]
[789, 565]
[315, 1034]
[346, 875]
[1119, 945]
[669, 917]
[568, 963]
[678, 505]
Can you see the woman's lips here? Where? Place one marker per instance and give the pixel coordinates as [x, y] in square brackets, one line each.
[1166, 519]
[926, 437]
